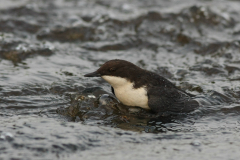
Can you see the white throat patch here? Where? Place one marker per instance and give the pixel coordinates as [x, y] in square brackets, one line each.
[125, 92]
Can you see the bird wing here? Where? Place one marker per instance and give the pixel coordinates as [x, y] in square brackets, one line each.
[168, 99]
[154, 80]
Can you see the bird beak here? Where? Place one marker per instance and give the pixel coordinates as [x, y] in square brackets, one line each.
[93, 74]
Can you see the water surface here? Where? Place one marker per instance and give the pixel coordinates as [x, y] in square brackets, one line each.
[48, 110]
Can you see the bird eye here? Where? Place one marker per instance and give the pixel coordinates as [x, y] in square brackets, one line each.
[112, 69]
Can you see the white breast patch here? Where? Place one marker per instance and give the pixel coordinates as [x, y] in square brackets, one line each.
[125, 92]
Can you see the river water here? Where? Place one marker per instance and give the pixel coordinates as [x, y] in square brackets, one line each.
[48, 110]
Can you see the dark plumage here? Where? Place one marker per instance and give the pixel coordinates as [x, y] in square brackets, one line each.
[162, 94]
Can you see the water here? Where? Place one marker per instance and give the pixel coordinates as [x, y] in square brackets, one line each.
[50, 111]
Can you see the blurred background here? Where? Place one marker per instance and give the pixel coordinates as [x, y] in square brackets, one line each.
[48, 110]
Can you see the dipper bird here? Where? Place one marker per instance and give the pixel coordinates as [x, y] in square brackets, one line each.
[134, 86]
